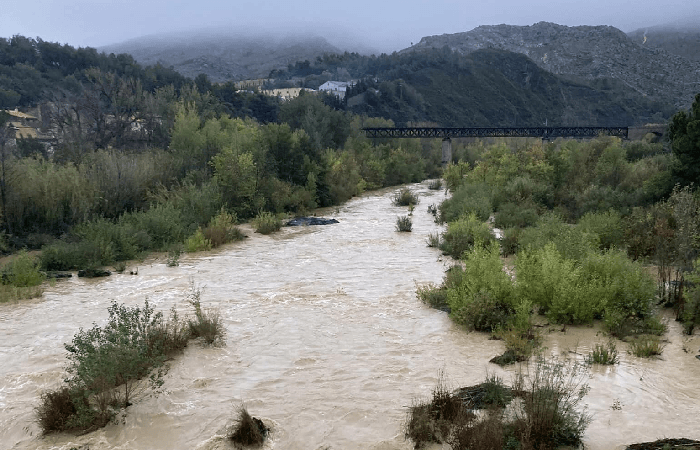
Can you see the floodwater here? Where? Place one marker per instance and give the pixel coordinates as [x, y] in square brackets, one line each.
[326, 342]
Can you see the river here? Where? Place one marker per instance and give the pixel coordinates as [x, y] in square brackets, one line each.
[326, 342]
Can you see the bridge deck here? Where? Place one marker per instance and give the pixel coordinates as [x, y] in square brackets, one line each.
[540, 132]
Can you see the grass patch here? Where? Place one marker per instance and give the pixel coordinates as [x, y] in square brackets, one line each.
[174, 254]
[248, 430]
[433, 240]
[435, 185]
[604, 354]
[266, 223]
[404, 224]
[12, 293]
[206, 324]
[405, 197]
[646, 346]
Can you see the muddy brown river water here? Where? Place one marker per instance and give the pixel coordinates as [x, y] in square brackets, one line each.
[326, 342]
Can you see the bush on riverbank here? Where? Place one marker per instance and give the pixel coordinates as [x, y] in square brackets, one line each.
[266, 223]
[464, 234]
[21, 278]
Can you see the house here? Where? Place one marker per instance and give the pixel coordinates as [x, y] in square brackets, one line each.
[285, 93]
[337, 88]
[25, 126]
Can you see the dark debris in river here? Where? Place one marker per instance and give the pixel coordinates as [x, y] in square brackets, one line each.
[667, 444]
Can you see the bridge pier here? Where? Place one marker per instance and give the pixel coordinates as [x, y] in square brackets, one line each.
[446, 151]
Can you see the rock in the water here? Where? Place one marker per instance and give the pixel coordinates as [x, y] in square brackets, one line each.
[94, 273]
[56, 275]
[305, 221]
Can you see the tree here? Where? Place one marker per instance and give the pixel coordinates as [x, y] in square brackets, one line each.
[684, 132]
[4, 156]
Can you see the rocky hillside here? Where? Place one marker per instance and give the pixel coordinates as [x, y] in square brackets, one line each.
[590, 53]
[679, 41]
[223, 57]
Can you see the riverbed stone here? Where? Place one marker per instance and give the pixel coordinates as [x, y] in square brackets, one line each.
[306, 221]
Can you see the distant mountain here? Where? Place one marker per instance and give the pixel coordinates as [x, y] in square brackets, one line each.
[679, 41]
[223, 57]
[487, 87]
[587, 53]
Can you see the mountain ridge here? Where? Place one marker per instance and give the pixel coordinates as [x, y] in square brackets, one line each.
[585, 53]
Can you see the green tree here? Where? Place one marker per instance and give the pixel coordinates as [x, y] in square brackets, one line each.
[684, 132]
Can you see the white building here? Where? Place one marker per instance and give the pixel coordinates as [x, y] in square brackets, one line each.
[336, 88]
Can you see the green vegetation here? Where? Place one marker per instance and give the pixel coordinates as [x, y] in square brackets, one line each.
[207, 323]
[266, 222]
[587, 222]
[464, 234]
[546, 412]
[404, 223]
[405, 197]
[113, 365]
[605, 354]
[646, 346]
[21, 278]
[684, 133]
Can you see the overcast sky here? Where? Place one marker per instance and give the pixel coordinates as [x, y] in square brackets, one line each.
[383, 25]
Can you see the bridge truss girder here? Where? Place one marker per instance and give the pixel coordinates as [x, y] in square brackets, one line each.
[538, 132]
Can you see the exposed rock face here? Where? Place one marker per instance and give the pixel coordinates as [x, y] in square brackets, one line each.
[586, 52]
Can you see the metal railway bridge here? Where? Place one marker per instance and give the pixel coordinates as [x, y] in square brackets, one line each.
[545, 133]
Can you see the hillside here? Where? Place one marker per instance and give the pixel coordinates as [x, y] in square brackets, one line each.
[223, 57]
[585, 53]
[679, 41]
[487, 87]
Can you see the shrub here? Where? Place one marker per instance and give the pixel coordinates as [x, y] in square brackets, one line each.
[549, 417]
[174, 254]
[433, 296]
[604, 354]
[432, 421]
[547, 279]
[646, 346]
[510, 215]
[22, 271]
[606, 225]
[433, 240]
[266, 223]
[463, 234]
[469, 198]
[482, 296]
[404, 223]
[435, 185]
[510, 243]
[206, 324]
[58, 409]
[222, 229]
[163, 223]
[107, 364]
[571, 242]
[405, 197]
[249, 430]
[197, 242]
